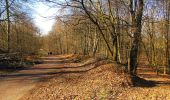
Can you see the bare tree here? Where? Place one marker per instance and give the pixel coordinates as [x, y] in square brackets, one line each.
[136, 11]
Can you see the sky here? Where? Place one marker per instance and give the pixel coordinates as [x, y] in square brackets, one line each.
[43, 16]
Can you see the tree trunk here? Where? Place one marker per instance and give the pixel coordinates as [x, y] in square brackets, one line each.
[8, 25]
[167, 66]
[136, 7]
[168, 39]
[95, 43]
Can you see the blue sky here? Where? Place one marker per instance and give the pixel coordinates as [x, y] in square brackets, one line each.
[43, 16]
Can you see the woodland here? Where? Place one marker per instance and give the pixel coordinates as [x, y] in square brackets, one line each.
[133, 35]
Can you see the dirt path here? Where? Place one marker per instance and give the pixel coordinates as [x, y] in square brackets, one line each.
[13, 86]
[149, 73]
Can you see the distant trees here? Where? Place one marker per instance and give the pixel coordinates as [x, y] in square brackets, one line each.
[155, 34]
[17, 32]
[128, 31]
[110, 25]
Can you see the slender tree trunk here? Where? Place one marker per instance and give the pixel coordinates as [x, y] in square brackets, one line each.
[67, 49]
[96, 22]
[8, 25]
[60, 45]
[95, 44]
[168, 40]
[167, 8]
[85, 44]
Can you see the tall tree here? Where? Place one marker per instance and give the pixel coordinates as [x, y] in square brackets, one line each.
[8, 24]
[136, 11]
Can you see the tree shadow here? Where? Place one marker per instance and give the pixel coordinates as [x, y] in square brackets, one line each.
[29, 76]
[66, 60]
[163, 82]
[55, 58]
[65, 67]
[141, 82]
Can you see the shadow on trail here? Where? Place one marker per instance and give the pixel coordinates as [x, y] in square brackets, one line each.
[147, 77]
[163, 82]
[43, 74]
[65, 67]
[57, 59]
[149, 83]
[141, 82]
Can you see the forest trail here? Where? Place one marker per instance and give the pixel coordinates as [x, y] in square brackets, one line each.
[31, 83]
[149, 73]
[13, 86]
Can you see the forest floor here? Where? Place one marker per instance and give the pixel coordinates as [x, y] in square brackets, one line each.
[160, 90]
[69, 77]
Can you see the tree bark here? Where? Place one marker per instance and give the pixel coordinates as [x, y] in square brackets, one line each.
[136, 11]
[95, 43]
[8, 24]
